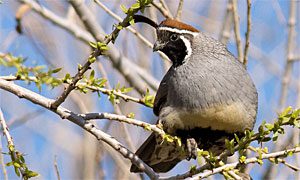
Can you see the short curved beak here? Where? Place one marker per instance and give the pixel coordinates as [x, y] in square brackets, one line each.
[158, 46]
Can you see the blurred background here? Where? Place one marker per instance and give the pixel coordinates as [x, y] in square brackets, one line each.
[46, 139]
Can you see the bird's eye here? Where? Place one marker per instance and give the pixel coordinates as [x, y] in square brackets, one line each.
[173, 37]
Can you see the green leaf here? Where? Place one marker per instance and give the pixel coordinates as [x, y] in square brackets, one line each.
[93, 45]
[242, 159]
[31, 174]
[56, 70]
[9, 164]
[296, 113]
[130, 115]
[92, 59]
[92, 75]
[17, 171]
[193, 168]
[147, 127]
[124, 9]
[126, 90]
[286, 111]
[17, 165]
[79, 66]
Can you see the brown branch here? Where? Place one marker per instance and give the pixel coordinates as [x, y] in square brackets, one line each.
[237, 33]
[75, 118]
[247, 42]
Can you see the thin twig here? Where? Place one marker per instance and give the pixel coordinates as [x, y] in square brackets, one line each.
[117, 109]
[278, 159]
[135, 32]
[286, 79]
[161, 9]
[2, 161]
[56, 168]
[93, 88]
[234, 175]
[10, 141]
[290, 48]
[179, 10]
[121, 118]
[94, 29]
[247, 42]
[135, 75]
[247, 161]
[75, 118]
[237, 33]
[227, 24]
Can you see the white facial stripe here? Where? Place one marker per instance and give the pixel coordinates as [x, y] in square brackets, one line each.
[180, 31]
[188, 47]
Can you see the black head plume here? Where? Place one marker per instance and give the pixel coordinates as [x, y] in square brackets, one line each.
[143, 19]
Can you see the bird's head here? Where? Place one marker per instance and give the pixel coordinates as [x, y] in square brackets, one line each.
[174, 38]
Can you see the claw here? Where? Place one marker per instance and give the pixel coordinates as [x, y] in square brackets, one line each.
[191, 148]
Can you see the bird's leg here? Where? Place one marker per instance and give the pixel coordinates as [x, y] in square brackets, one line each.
[192, 146]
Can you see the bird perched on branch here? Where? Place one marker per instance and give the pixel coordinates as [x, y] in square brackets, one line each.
[205, 97]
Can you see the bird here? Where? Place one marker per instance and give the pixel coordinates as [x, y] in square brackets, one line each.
[205, 97]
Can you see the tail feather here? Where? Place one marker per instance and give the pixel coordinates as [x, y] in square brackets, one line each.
[147, 154]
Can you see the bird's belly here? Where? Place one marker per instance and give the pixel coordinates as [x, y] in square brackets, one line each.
[228, 118]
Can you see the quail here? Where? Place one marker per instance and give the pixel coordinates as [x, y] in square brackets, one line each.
[205, 97]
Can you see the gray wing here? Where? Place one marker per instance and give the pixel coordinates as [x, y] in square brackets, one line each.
[162, 93]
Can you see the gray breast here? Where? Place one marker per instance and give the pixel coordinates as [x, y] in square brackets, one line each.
[213, 91]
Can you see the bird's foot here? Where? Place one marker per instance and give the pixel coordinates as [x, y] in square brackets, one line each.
[192, 146]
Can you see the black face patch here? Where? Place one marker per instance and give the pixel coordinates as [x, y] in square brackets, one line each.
[174, 47]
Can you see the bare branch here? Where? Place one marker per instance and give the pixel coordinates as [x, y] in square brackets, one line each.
[56, 168]
[93, 88]
[247, 161]
[234, 175]
[67, 114]
[121, 118]
[287, 75]
[10, 142]
[237, 33]
[2, 161]
[161, 9]
[290, 47]
[227, 24]
[135, 32]
[179, 10]
[136, 76]
[245, 61]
